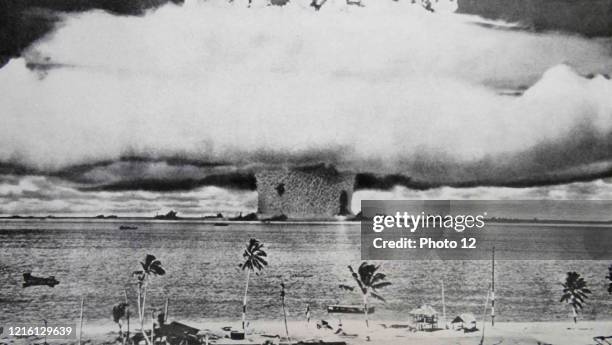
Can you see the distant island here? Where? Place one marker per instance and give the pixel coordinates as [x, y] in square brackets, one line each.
[253, 217]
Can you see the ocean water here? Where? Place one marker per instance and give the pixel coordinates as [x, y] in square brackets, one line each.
[95, 259]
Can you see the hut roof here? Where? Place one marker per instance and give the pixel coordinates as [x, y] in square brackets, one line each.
[424, 310]
[464, 318]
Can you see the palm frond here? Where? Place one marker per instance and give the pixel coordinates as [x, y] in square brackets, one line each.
[357, 279]
[346, 287]
[377, 296]
[575, 291]
[380, 285]
[254, 256]
[378, 277]
[368, 279]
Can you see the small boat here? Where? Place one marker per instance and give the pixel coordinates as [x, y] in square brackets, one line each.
[220, 224]
[348, 309]
[128, 227]
[30, 280]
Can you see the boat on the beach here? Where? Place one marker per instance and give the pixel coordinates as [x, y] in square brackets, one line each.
[348, 309]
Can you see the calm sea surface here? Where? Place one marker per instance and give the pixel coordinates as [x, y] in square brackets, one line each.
[95, 259]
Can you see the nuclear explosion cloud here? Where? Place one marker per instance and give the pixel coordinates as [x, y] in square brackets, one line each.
[409, 97]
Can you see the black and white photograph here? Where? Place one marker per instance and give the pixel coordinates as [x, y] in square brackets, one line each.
[305, 172]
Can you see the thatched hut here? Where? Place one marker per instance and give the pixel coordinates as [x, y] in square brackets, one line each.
[425, 317]
[466, 322]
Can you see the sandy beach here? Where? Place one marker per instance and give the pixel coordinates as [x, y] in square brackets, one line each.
[379, 332]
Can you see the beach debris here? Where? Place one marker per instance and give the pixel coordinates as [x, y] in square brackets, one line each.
[348, 309]
[395, 326]
[30, 280]
[179, 333]
[323, 324]
[237, 335]
[601, 340]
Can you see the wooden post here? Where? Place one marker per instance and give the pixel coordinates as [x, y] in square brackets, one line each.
[484, 317]
[444, 307]
[493, 288]
[284, 311]
[166, 311]
[81, 320]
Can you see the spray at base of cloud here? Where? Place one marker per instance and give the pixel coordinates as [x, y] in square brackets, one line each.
[593, 190]
[41, 196]
[383, 88]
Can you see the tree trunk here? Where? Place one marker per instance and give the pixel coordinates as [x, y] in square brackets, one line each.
[144, 299]
[285, 317]
[138, 304]
[152, 327]
[574, 314]
[127, 317]
[365, 309]
[81, 320]
[244, 301]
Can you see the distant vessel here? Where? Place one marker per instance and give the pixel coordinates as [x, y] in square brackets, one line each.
[30, 280]
[127, 227]
[172, 215]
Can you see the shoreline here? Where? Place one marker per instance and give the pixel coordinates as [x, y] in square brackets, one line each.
[517, 333]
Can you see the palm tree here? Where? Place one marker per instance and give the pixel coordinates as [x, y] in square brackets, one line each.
[253, 261]
[119, 312]
[610, 279]
[575, 292]
[150, 267]
[369, 281]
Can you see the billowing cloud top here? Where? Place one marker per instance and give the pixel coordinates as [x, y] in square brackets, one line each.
[387, 88]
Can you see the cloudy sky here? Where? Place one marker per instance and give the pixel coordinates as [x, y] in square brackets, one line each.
[177, 108]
